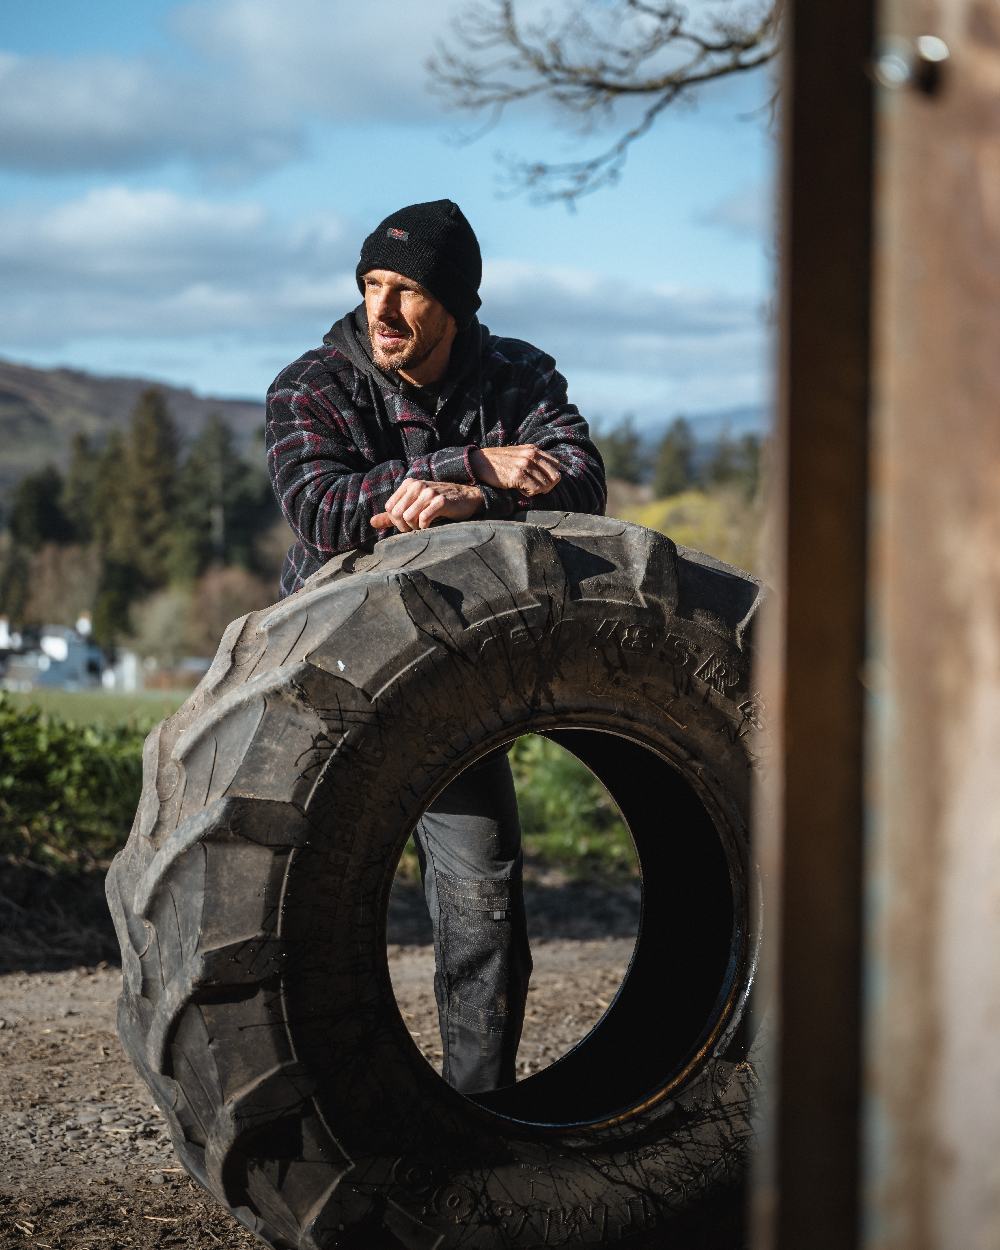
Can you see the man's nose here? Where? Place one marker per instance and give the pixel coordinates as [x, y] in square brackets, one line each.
[386, 305]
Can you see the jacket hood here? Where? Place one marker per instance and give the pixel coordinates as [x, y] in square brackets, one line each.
[350, 336]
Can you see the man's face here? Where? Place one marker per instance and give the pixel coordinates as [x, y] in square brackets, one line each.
[405, 322]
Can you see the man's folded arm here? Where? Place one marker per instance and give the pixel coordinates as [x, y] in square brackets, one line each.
[326, 490]
[447, 464]
[555, 425]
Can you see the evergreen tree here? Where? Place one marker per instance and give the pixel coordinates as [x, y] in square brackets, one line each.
[751, 458]
[262, 513]
[79, 496]
[36, 514]
[674, 469]
[108, 474]
[199, 531]
[119, 582]
[735, 462]
[14, 585]
[621, 450]
[221, 505]
[117, 590]
[142, 529]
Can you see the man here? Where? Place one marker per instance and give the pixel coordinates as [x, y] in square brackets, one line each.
[413, 413]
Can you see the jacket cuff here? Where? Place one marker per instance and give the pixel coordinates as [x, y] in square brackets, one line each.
[498, 504]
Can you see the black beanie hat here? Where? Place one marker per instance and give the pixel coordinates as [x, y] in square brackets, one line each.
[434, 245]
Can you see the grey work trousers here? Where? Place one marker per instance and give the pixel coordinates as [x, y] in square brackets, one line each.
[469, 847]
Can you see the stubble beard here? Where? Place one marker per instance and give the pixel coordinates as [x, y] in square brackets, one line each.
[409, 354]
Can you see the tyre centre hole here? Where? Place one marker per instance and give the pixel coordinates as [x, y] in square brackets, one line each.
[646, 998]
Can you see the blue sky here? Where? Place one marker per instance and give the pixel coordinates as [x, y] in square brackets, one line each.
[184, 188]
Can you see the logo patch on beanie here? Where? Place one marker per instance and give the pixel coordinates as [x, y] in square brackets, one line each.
[394, 233]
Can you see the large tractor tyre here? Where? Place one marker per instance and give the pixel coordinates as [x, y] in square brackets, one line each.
[251, 898]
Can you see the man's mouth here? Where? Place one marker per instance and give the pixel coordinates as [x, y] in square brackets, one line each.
[390, 334]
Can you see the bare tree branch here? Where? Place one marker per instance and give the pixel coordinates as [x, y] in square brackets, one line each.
[642, 50]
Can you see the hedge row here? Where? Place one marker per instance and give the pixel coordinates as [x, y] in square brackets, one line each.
[68, 794]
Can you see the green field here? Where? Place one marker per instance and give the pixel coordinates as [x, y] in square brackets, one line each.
[100, 707]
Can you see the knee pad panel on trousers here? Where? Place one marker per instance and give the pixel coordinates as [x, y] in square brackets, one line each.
[484, 955]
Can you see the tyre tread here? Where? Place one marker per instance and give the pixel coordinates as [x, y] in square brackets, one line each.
[197, 822]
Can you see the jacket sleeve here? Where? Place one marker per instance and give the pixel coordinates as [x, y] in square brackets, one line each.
[328, 491]
[447, 464]
[551, 422]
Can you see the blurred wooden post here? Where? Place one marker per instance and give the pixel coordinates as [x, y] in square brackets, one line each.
[807, 1184]
[895, 734]
[932, 1173]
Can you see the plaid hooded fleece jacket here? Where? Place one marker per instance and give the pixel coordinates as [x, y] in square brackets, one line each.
[341, 436]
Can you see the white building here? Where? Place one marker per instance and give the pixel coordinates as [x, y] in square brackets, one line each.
[10, 639]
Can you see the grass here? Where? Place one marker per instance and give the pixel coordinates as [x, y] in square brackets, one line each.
[142, 709]
[568, 819]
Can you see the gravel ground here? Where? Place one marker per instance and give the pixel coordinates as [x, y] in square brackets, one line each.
[87, 1158]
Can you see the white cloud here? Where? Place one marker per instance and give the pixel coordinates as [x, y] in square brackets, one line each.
[348, 60]
[190, 274]
[749, 213]
[249, 78]
[107, 114]
[238, 88]
[589, 321]
[155, 240]
[134, 262]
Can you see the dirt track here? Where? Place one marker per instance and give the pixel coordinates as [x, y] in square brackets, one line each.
[87, 1159]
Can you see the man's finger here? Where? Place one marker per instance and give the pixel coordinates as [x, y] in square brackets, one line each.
[403, 493]
[381, 520]
[395, 496]
[527, 485]
[397, 510]
[548, 465]
[535, 482]
[430, 511]
[397, 518]
[404, 496]
[412, 514]
[546, 470]
[538, 456]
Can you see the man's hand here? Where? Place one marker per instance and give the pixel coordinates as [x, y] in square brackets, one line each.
[415, 504]
[523, 467]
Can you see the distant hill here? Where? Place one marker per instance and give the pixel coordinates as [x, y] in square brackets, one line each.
[709, 427]
[41, 410]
